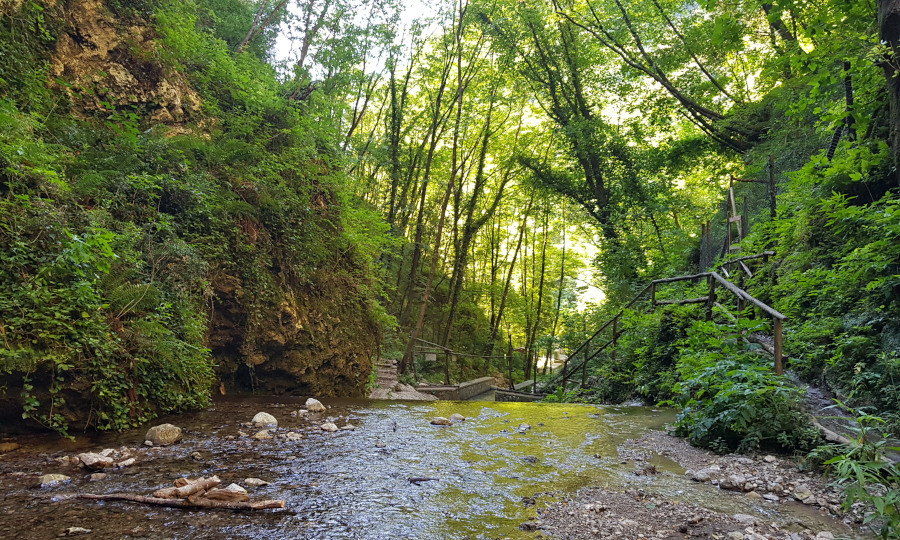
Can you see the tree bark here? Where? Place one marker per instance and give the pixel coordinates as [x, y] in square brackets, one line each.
[889, 32]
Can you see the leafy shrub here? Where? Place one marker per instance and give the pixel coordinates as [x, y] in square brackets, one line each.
[732, 399]
[866, 475]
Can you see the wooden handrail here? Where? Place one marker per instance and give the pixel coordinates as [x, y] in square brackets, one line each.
[713, 277]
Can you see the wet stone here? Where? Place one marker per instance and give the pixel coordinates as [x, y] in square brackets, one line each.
[95, 462]
[329, 426]
[314, 405]
[264, 419]
[441, 421]
[48, 480]
[255, 482]
[163, 434]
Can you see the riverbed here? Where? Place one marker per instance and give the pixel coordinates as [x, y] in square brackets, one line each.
[488, 475]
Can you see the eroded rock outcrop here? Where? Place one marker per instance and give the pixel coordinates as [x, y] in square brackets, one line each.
[108, 63]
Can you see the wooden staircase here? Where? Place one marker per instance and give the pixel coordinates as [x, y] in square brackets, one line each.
[715, 282]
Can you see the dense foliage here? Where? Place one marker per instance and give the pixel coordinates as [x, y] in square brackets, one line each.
[116, 229]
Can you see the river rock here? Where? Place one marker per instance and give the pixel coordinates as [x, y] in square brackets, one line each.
[771, 497]
[125, 463]
[48, 480]
[262, 435]
[802, 492]
[824, 535]
[314, 405]
[754, 495]
[72, 531]
[770, 459]
[456, 417]
[705, 475]
[95, 462]
[440, 421]
[329, 426]
[97, 476]
[348, 427]
[293, 436]
[255, 482]
[163, 434]
[745, 519]
[264, 419]
[734, 481]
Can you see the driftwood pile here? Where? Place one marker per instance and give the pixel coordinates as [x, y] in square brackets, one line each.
[199, 493]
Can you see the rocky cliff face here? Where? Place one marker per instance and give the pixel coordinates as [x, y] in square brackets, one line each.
[108, 63]
[312, 339]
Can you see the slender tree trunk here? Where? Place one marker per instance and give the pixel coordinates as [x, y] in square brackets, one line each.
[435, 258]
[562, 278]
[537, 318]
[509, 274]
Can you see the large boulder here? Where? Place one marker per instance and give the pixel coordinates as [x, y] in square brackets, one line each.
[163, 435]
[264, 419]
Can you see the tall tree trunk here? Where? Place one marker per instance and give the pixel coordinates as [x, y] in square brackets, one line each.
[435, 257]
[889, 32]
[473, 225]
[532, 350]
[562, 278]
[509, 274]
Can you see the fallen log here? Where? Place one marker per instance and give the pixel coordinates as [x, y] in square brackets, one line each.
[182, 503]
[180, 492]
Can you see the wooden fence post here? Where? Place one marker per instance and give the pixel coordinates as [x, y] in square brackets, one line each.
[712, 298]
[587, 354]
[779, 345]
[772, 202]
[615, 337]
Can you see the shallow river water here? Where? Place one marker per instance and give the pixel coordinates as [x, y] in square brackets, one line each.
[355, 484]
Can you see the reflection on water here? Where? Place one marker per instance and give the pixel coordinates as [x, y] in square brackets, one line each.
[355, 484]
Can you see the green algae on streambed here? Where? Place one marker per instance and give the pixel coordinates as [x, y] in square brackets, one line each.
[355, 484]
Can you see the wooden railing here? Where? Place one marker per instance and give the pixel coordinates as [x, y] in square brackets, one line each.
[714, 281]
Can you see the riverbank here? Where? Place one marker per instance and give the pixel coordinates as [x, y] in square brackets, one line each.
[641, 510]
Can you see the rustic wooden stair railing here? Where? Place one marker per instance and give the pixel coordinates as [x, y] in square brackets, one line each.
[711, 300]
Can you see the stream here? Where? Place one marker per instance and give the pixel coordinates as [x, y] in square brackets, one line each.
[355, 483]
